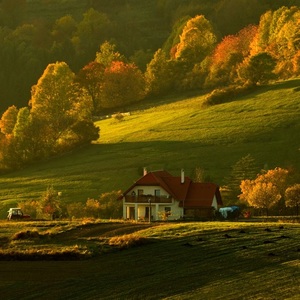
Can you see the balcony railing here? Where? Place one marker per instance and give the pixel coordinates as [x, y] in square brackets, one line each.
[145, 199]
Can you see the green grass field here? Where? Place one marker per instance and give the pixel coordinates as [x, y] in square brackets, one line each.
[197, 260]
[170, 133]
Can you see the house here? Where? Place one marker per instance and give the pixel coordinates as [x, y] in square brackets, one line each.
[158, 196]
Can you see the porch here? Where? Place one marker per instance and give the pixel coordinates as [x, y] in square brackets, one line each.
[148, 199]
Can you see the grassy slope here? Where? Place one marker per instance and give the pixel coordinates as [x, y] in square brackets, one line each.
[173, 134]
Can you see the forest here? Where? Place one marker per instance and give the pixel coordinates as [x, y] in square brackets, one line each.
[65, 62]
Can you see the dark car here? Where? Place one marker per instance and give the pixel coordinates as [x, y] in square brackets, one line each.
[16, 214]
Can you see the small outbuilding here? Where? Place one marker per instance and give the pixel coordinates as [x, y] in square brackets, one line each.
[158, 195]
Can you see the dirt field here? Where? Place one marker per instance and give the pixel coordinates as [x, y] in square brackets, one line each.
[232, 264]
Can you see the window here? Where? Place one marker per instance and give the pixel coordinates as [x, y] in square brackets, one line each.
[140, 192]
[157, 193]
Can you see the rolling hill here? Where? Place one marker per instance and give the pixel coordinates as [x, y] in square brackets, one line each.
[171, 133]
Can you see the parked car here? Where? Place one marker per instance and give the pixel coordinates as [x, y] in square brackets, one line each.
[16, 214]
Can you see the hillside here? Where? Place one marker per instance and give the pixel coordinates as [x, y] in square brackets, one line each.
[171, 134]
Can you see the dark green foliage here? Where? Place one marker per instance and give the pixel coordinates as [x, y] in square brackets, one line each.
[245, 168]
[226, 94]
[36, 33]
[258, 69]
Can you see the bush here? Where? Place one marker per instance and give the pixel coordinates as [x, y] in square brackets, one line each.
[226, 94]
[127, 241]
[23, 235]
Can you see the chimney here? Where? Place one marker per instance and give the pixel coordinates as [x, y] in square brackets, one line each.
[145, 171]
[182, 175]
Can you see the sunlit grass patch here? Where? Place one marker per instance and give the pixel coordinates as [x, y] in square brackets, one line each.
[127, 241]
[45, 253]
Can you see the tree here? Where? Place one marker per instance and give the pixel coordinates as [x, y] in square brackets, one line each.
[93, 208]
[158, 75]
[108, 54]
[278, 34]
[260, 194]
[58, 103]
[22, 123]
[76, 210]
[244, 168]
[266, 190]
[196, 41]
[91, 32]
[29, 207]
[64, 28]
[8, 120]
[111, 207]
[257, 69]
[52, 98]
[123, 84]
[50, 203]
[292, 197]
[91, 78]
[230, 52]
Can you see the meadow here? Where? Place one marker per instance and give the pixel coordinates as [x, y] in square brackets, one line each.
[170, 133]
[120, 260]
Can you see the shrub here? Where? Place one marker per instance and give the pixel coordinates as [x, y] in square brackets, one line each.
[28, 234]
[226, 94]
[127, 241]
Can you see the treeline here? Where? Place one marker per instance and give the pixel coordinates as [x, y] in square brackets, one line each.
[62, 103]
[51, 206]
[35, 33]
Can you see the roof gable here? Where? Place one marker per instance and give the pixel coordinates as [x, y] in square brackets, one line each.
[202, 194]
[189, 193]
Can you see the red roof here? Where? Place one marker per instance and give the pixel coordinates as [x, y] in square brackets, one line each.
[190, 194]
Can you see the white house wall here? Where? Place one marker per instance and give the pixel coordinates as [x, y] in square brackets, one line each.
[157, 209]
[215, 203]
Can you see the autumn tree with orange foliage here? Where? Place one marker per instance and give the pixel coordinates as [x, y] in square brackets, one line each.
[266, 190]
[90, 77]
[123, 84]
[230, 52]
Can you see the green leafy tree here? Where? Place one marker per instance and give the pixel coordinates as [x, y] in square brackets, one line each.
[64, 28]
[22, 123]
[292, 197]
[111, 205]
[108, 54]
[158, 75]
[257, 69]
[196, 41]
[85, 131]
[58, 103]
[62, 33]
[91, 32]
[244, 168]
[93, 208]
[52, 98]
[76, 210]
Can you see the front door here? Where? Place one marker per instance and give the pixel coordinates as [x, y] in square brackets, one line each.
[131, 213]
